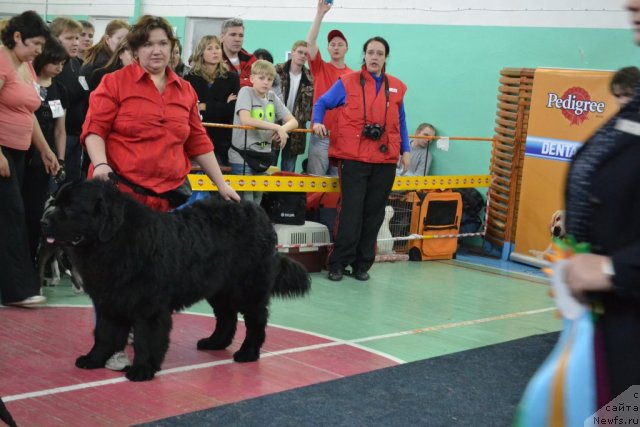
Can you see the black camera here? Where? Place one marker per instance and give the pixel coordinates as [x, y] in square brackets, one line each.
[373, 131]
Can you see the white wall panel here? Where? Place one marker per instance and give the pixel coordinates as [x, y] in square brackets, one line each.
[8, 8]
[71, 7]
[527, 13]
[530, 13]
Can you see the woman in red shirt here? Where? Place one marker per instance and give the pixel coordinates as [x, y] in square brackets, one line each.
[23, 39]
[143, 125]
[143, 122]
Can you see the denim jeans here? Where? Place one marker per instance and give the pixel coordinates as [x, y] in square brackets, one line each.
[242, 169]
[318, 162]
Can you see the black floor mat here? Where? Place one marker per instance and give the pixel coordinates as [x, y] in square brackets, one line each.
[478, 387]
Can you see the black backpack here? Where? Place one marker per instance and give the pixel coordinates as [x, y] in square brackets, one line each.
[285, 207]
[472, 205]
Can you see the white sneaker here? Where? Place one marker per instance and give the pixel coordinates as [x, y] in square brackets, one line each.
[28, 302]
[118, 362]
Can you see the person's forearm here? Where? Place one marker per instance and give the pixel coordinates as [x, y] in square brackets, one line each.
[210, 166]
[96, 149]
[260, 124]
[404, 131]
[290, 125]
[312, 37]
[334, 97]
[60, 138]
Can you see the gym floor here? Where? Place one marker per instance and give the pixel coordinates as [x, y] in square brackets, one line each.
[408, 311]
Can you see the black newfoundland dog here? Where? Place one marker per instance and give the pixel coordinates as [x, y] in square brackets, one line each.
[139, 266]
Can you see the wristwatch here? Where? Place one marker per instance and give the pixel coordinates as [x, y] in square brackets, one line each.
[607, 267]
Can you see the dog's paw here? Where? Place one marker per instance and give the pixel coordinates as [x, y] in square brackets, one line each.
[85, 362]
[140, 373]
[213, 344]
[244, 355]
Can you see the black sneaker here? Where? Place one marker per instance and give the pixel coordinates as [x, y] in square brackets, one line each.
[361, 275]
[336, 275]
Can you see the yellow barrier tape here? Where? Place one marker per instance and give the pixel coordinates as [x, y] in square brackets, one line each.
[332, 185]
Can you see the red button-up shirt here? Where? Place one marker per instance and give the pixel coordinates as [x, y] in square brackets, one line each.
[149, 137]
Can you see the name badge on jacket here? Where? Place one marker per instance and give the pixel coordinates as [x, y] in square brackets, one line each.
[56, 108]
[83, 82]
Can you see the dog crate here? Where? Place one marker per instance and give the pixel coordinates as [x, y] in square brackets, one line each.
[400, 224]
[306, 243]
[435, 213]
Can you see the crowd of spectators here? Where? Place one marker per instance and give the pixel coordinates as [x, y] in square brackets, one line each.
[100, 110]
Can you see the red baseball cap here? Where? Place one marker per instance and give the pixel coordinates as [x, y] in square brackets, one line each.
[336, 33]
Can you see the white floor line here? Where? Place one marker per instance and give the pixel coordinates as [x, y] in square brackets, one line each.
[336, 342]
[455, 324]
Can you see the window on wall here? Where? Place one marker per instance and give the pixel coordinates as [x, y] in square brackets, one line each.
[195, 29]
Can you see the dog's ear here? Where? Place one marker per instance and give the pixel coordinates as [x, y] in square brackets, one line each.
[111, 214]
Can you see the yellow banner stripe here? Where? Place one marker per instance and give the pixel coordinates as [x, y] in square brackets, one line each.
[332, 185]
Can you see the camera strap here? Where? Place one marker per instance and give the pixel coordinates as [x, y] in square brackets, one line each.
[386, 97]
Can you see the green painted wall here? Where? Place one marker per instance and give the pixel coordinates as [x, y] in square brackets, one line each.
[179, 23]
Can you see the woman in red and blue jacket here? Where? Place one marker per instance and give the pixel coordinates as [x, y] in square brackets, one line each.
[371, 135]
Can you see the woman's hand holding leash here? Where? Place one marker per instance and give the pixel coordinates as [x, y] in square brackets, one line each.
[101, 171]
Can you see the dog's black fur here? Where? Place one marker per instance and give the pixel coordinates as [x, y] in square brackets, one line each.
[139, 266]
[56, 261]
[5, 416]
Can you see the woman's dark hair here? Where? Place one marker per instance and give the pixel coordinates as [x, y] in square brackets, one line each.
[28, 24]
[52, 53]
[387, 49]
[139, 33]
[263, 54]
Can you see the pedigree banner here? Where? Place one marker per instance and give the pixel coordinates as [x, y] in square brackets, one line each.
[567, 106]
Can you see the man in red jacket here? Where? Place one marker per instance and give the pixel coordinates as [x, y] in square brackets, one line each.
[238, 59]
[325, 74]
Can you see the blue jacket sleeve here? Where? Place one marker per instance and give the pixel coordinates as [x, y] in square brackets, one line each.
[405, 145]
[334, 97]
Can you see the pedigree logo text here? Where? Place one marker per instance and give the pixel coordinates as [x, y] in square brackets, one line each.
[575, 104]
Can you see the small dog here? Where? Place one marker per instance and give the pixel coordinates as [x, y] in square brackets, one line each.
[556, 229]
[556, 226]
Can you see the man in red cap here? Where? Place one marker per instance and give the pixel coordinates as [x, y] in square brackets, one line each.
[325, 74]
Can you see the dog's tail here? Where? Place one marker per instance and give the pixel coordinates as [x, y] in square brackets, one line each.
[292, 279]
